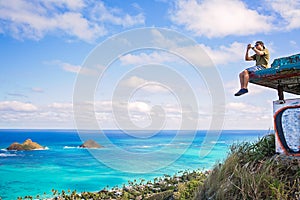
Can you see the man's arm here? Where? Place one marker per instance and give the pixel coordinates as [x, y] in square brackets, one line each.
[258, 52]
[247, 57]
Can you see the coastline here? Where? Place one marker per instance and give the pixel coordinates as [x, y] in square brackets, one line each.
[181, 185]
[35, 172]
[250, 171]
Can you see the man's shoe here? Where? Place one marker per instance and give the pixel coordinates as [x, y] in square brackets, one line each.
[241, 92]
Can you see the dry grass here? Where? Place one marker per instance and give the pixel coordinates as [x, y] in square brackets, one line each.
[253, 171]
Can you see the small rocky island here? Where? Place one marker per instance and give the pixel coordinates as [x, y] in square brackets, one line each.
[91, 144]
[26, 146]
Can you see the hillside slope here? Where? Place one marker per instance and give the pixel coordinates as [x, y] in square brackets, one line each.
[253, 171]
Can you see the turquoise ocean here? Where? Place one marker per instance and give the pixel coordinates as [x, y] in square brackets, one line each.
[63, 165]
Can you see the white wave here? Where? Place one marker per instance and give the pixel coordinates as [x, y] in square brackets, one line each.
[218, 142]
[143, 146]
[7, 155]
[171, 145]
[70, 147]
[168, 145]
[3, 149]
[41, 149]
[77, 147]
[183, 143]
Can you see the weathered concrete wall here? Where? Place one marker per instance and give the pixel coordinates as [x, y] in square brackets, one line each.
[287, 126]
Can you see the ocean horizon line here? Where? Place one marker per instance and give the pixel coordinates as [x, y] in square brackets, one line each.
[71, 129]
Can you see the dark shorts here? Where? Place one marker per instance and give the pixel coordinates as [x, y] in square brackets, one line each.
[255, 68]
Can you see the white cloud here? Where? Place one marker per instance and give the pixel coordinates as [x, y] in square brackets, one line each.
[242, 115]
[85, 21]
[289, 11]
[257, 89]
[71, 4]
[234, 85]
[37, 90]
[293, 44]
[237, 106]
[134, 82]
[162, 41]
[17, 94]
[65, 106]
[139, 106]
[28, 115]
[146, 58]
[17, 106]
[60, 114]
[102, 13]
[199, 54]
[139, 113]
[103, 106]
[154, 87]
[240, 107]
[25, 19]
[216, 18]
[226, 54]
[222, 55]
[134, 106]
[144, 85]
[72, 68]
[83, 28]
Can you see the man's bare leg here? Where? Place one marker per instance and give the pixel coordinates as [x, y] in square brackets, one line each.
[244, 79]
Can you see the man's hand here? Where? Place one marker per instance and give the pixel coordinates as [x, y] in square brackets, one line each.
[249, 46]
[247, 57]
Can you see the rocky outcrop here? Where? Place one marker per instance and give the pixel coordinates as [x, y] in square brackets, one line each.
[27, 145]
[91, 144]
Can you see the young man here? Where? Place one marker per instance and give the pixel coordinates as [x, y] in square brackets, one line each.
[262, 58]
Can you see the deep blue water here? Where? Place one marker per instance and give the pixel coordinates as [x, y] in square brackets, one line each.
[125, 156]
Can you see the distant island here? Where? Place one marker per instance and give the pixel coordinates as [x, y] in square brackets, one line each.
[25, 146]
[91, 144]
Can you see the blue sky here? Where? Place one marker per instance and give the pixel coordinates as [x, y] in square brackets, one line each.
[45, 43]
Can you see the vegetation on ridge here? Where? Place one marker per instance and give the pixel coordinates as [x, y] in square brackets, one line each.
[254, 171]
[179, 186]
